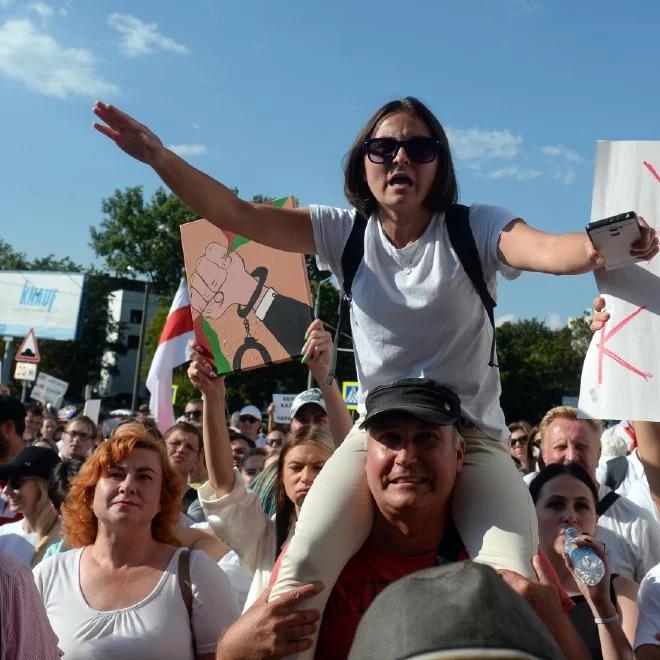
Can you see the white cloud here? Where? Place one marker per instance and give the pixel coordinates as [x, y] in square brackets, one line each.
[138, 38]
[473, 144]
[506, 318]
[562, 151]
[514, 172]
[555, 321]
[41, 8]
[188, 149]
[564, 161]
[43, 65]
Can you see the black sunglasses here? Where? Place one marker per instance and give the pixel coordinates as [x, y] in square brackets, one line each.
[193, 414]
[14, 481]
[248, 418]
[384, 150]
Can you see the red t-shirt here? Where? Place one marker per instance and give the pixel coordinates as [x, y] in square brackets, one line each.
[363, 578]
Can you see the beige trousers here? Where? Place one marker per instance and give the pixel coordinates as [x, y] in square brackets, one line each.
[492, 511]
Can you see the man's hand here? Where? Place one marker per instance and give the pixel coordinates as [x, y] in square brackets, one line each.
[128, 134]
[542, 596]
[219, 281]
[272, 630]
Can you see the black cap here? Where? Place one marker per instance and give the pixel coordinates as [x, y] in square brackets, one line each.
[423, 398]
[31, 462]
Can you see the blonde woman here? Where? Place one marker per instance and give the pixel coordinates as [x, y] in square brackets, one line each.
[25, 488]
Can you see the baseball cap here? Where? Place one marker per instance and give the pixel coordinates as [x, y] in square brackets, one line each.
[423, 398]
[253, 411]
[308, 396]
[460, 610]
[31, 462]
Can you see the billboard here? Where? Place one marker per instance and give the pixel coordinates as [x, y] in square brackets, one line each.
[49, 302]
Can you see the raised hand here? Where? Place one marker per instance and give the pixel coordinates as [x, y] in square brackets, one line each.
[646, 247]
[128, 134]
[317, 350]
[202, 374]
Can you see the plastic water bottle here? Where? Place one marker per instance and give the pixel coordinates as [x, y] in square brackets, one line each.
[588, 566]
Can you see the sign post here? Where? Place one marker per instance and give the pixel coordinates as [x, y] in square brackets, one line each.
[27, 358]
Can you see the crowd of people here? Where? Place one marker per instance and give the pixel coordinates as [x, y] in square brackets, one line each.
[149, 544]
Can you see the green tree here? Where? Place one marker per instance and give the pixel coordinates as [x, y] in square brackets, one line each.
[537, 367]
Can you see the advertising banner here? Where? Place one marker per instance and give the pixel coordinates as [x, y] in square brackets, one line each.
[49, 302]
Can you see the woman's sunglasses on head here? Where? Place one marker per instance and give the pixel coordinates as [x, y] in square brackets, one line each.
[14, 481]
[384, 150]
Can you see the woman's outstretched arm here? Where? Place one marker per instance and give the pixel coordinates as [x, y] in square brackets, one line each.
[284, 229]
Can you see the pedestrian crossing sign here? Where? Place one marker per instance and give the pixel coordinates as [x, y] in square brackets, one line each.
[349, 392]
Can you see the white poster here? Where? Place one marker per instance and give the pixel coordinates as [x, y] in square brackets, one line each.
[621, 373]
[49, 389]
[282, 414]
[49, 302]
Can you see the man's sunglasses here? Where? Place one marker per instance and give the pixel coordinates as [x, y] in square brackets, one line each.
[247, 418]
[192, 414]
[384, 150]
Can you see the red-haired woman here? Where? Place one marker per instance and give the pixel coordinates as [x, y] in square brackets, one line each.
[123, 592]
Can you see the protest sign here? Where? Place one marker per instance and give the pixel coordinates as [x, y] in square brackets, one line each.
[620, 377]
[49, 389]
[282, 412]
[251, 304]
[92, 409]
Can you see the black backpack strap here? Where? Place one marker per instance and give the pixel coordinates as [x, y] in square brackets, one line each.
[457, 219]
[351, 258]
[615, 473]
[607, 502]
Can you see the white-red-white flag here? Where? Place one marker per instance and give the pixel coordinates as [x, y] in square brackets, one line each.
[171, 352]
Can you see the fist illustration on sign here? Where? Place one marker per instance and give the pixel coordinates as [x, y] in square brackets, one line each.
[219, 281]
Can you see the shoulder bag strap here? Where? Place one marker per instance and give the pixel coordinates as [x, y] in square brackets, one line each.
[185, 586]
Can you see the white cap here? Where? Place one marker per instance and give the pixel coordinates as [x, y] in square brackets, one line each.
[308, 396]
[253, 411]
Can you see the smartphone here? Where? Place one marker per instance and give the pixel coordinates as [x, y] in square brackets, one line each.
[613, 236]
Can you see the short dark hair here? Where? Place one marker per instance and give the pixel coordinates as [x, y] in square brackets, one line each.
[88, 421]
[61, 478]
[13, 410]
[34, 408]
[444, 191]
[553, 470]
[194, 401]
[186, 427]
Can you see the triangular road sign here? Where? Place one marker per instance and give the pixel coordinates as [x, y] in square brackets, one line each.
[28, 350]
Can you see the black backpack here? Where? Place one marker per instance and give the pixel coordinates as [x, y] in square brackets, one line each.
[457, 219]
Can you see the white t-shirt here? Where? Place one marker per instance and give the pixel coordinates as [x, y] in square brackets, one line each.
[415, 312]
[15, 541]
[157, 627]
[648, 602]
[635, 485]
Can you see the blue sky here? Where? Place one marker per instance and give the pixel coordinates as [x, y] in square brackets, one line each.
[268, 96]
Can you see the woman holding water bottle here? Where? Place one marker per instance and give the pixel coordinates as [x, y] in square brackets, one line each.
[605, 613]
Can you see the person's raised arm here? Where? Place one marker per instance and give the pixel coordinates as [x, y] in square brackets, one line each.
[526, 248]
[317, 351]
[284, 229]
[217, 448]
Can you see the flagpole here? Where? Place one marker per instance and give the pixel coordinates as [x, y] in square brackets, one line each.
[143, 322]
